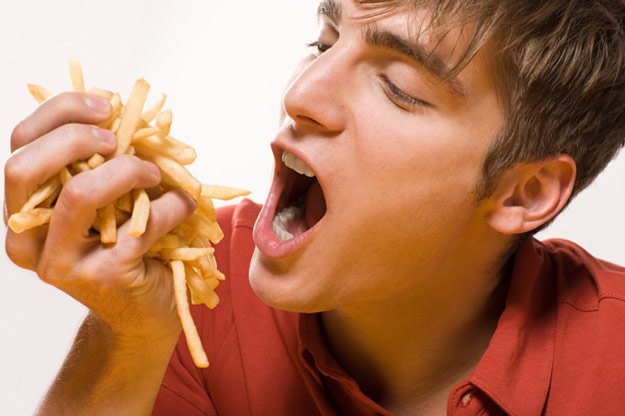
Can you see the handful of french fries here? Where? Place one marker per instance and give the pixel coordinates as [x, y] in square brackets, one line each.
[187, 248]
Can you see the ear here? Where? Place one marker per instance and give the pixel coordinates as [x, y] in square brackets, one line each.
[530, 195]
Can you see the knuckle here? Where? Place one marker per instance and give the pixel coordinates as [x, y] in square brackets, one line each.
[75, 193]
[47, 271]
[14, 173]
[18, 135]
[17, 254]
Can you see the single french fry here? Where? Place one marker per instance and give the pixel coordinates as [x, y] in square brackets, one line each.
[99, 92]
[145, 132]
[95, 161]
[206, 208]
[64, 175]
[132, 114]
[155, 144]
[224, 193]
[45, 190]
[115, 125]
[80, 166]
[108, 225]
[51, 200]
[185, 253]
[170, 241]
[186, 232]
[22, 221]
[176, 175]
[163, 122]
[149, 115]
[140, 213]
[75, 73]
[116, 108]
[205, 228]
[39, 93]
[121, 216]
[124, 202]
[182, 305]
[201, 290]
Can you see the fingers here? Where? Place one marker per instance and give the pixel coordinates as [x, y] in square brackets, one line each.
[75, 209]
[166, 213]
[43, 158]
[69, 107]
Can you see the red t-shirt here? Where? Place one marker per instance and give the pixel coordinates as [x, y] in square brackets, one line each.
[559, 346]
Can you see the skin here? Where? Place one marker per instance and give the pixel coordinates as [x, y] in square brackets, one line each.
[421, 257]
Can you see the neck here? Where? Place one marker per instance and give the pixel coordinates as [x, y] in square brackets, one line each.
[407, 353]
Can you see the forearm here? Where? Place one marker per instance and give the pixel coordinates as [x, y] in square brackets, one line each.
[105, 375]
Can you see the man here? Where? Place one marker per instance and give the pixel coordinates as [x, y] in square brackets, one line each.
[391, 269]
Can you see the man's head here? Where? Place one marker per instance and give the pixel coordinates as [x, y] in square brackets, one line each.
[436, 130]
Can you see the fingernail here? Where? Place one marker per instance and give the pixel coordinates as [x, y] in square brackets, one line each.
[105, 135]
[155, 170]
[97, 104]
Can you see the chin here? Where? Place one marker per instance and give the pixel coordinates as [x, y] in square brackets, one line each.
[283, 290]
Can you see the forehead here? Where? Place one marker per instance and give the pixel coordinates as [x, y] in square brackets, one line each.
[443, 38]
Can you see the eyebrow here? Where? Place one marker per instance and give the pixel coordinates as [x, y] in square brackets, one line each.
[414, 51]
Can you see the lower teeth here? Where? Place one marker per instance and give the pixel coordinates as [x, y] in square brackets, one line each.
[282, 219]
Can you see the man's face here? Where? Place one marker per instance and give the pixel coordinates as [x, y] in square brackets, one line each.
[397, 153]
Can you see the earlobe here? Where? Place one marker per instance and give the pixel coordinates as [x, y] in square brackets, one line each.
[530, 195]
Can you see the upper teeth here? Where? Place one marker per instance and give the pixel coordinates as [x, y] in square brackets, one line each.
[297, 164]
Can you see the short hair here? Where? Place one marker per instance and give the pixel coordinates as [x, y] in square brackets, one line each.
[560, 71]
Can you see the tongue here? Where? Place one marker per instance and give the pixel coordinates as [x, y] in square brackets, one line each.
[315, 205]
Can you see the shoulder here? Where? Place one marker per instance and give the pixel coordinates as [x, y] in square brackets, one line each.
[583, 281]
[588, 363]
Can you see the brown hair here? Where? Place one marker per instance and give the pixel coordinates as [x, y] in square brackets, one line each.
[561, 78]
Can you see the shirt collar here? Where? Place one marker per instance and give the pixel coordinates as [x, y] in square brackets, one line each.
[515, 370]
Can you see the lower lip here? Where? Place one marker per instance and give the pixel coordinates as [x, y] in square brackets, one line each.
[266, 241]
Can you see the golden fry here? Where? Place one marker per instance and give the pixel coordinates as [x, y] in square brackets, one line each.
[206, 208]
[163, 122]
[185, 253]
[108, 224]
[182, 305]
[75, 73]
[95, 161]
[48, 188]
[65, 176]
[23, 221]
[155, 144]
[124, 202]
[149, 115]
[132, 114]
[224, 193]
[140, 213]
[39, 93]
[80, 166]
[175, 175]
[145, 132]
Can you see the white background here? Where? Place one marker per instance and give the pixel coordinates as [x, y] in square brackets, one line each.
[223, 65]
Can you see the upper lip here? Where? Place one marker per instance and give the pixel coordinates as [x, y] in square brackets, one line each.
[278, 146]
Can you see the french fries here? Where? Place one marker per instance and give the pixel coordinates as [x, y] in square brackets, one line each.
[187, 248]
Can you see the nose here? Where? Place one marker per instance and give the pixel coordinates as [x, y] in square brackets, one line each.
[316, 96]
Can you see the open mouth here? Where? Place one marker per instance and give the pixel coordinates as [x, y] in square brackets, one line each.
[301, 204]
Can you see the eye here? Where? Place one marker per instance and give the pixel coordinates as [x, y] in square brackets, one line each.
[406, 101]
[318, 47]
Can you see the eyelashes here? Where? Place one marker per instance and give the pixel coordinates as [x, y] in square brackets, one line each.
[397, 93]
[319, 47]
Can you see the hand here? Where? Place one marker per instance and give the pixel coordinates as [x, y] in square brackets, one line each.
[131, 294]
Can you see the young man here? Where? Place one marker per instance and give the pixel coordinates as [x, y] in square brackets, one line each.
[390, 269]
